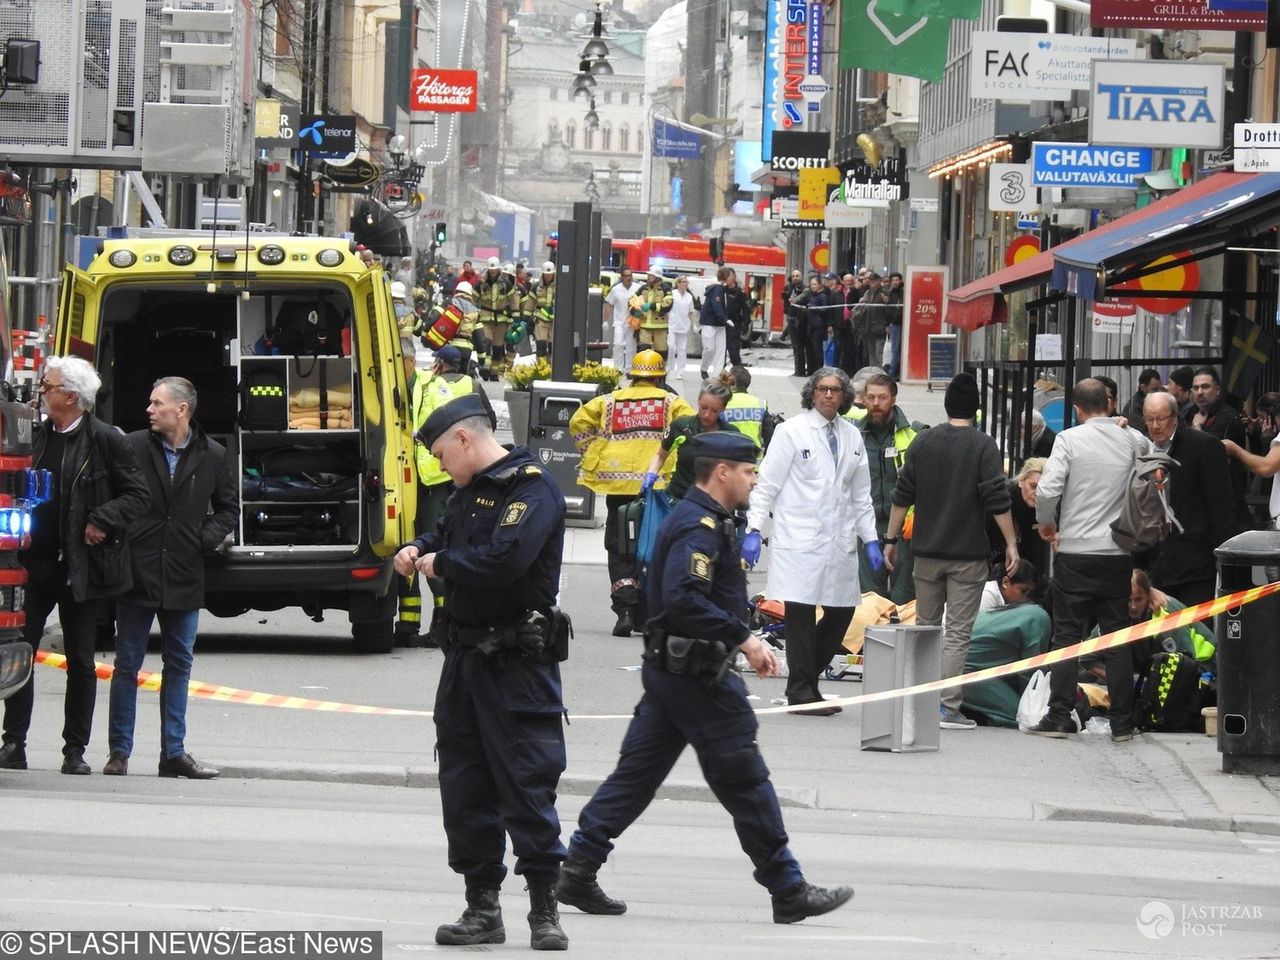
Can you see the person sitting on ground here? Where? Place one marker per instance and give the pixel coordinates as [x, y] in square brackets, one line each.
[1022, 497]
[1147, 602]
[1010, 626]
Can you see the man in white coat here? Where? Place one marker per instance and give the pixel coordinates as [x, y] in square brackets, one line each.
[816, 483]
[624, 335]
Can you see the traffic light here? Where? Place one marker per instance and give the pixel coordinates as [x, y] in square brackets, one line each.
[442, 234]
[715, 247]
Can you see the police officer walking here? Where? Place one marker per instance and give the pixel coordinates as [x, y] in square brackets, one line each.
[697, 593]
[499, 701]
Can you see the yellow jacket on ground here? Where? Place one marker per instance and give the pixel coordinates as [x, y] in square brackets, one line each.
[619, 433]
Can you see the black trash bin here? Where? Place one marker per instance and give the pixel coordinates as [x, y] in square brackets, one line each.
[552, 404]
[1248, 641]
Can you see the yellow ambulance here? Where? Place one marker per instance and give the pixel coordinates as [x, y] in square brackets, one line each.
[291, 344]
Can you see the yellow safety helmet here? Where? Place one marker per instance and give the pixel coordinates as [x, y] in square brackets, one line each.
[648, 363]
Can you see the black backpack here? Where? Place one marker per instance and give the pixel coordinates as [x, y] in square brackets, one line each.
[264, 397]
[308, 329]
[1169, 695]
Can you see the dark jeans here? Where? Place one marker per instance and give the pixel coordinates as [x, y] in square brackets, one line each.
[817, 344]
[177, 650]
[1091, 589]
[624, 574]
[717, 720]
[733, 344]
[47, 589]
[800, 346]
[851, 352]
[811, 645]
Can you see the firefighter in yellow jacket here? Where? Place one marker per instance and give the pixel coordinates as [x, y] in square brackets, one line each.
[493, 298]
[654, 305]
[617, 435]
[427, 393]
[540, 301]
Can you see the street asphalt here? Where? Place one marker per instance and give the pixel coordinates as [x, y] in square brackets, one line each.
[817, 763]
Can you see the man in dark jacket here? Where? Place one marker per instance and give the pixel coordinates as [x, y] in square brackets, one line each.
[1148, 383]
[737, 316]
[794, 295]
[1200, 497]
[713, 320]
[77, 557]
[195, 508]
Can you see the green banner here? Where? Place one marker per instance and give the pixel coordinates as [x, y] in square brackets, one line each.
[915, 9]
[873, 39]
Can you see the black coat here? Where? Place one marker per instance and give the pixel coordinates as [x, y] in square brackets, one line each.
[101, 484]
[189, 517]
[1201, 498]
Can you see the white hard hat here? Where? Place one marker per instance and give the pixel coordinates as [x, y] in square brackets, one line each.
[464, 289]
[397, 290]
[492, 264]
[548, 267]
[509, 268]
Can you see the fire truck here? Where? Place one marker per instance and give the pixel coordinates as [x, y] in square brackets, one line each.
[21, 488]
[762, 273]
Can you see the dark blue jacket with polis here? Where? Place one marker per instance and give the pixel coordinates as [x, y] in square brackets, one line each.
[498, 545]
[697, 587]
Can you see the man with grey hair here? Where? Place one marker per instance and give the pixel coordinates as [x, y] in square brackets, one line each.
[196, 506]
[1183, 565]
[815, 483]
[78, 552]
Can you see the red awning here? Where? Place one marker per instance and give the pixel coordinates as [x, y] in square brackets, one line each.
[981, 302]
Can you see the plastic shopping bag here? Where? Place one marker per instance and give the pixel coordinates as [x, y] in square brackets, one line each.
[1035, 700]
[829, 352]
[656, 507]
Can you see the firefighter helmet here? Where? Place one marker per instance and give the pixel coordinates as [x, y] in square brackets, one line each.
[648, 364]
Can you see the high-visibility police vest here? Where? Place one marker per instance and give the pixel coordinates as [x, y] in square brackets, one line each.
[855, 414]
[747, 413]
[430, 393]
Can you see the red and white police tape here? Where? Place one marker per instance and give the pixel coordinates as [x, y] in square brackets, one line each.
[1140, 631]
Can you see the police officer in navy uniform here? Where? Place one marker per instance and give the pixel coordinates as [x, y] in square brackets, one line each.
[499, 705]
[697, 595]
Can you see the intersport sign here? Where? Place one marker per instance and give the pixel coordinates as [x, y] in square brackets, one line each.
[443, 91]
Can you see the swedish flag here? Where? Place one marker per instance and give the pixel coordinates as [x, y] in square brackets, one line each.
[1250, 349]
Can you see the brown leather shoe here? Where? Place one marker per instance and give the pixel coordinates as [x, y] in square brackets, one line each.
[117, 765]
[186, 766]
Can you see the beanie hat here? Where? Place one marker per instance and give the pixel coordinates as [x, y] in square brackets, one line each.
[1183, 377]
[961, 401]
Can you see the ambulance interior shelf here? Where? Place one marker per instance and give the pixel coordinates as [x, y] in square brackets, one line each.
[299, 440]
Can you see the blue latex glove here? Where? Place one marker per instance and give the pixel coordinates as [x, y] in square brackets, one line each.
[751, 548]
[875, 555]
[647, 484]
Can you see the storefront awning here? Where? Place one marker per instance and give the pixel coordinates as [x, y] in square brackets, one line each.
[982, 302]
[1198, 216]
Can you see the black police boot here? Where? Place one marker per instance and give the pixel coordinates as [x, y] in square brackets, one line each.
[544, 917]
[481, 922]
[577, 887]
[806, 900]
[626, 624]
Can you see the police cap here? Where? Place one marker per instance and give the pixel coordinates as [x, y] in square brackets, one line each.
[450, 355]
[724, 445]
[445, 417]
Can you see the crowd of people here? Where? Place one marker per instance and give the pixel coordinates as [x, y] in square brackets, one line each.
[850, 322]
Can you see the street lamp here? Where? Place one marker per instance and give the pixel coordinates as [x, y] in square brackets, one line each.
[596, 47]
[592, 119]
[397, 147]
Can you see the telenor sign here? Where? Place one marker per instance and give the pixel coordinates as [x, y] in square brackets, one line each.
[443, 91]
[1088, 165]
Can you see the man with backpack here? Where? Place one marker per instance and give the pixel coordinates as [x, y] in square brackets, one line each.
[1082, 492]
